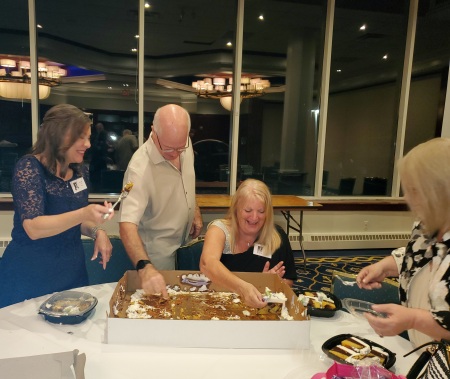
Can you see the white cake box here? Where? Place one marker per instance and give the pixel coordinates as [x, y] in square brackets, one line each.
[254, 334]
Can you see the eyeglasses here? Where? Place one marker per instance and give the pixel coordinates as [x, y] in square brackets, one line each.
[171, 150]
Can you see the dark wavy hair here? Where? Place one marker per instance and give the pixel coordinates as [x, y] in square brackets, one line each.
[62, 125]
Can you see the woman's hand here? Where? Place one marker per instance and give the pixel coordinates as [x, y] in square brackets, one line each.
[370, 277]
[103, 246]
[95, 213]
[399, 319]
[278, 269]
[251, 296]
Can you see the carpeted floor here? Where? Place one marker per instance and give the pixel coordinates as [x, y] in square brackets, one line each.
[319, 269]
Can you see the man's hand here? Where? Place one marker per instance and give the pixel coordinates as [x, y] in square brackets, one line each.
[152, 281]
[197, 224]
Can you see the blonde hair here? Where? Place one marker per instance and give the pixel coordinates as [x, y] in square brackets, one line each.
[425, 170]
[251, 189]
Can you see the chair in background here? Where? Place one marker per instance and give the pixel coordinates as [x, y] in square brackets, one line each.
[342, 288]
[188, 256]
[325, 176]
[374, 186]
[290, 183]
[346, 186]
[116, 267]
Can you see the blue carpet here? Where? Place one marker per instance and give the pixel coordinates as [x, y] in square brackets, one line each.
[320, 266]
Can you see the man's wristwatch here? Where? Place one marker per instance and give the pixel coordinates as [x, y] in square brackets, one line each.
[142, 263]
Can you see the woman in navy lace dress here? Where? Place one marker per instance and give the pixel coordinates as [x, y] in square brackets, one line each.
[423, 267]
[50, 193]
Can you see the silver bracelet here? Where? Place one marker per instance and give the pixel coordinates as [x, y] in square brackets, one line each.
[94, 231]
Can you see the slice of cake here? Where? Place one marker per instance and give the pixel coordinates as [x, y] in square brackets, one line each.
[346, 354]
[357, 345]
[318, 300]
[353, 349]
[378, 354]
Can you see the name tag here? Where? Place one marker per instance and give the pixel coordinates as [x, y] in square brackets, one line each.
[78, 185]
[261, 251]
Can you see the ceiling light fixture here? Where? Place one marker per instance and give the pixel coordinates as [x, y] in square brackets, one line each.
[217, 87]
[221, 87]
[15, 77]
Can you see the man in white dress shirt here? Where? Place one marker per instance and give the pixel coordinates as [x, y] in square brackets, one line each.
[160, 213]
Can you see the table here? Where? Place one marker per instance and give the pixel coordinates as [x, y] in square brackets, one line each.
[23, 332]
[283, 203]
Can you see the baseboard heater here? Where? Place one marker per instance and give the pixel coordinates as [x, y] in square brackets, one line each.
[3, 244]
[326, 241]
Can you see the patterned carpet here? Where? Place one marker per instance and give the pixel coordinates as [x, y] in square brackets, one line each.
[319, 270]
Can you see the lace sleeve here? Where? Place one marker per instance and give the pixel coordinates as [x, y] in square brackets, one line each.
[28, 189]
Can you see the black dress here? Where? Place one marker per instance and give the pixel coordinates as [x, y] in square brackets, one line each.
[249, 262]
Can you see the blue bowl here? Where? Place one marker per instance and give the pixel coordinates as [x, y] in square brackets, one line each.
[68, 307]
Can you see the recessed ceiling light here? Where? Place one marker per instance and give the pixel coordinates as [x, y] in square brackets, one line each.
[134, 50]
[261, 17]
[147, 5]
[125, 85]
[136, 36]
[39, 26]
[338, 70]
[362, 27]
[229, 43]
[385, 56]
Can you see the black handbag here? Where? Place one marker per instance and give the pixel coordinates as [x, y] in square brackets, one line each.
[433, 363]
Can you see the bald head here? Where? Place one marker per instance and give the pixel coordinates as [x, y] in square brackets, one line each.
[171, 120]
[171, 126]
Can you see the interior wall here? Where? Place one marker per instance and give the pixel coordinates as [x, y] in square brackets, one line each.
[314, 222]
[357, 121]
[422, 110]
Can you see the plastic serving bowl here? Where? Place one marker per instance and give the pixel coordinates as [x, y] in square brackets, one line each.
[68, 307]
[323, 312]
[359, 307]
[336, 340]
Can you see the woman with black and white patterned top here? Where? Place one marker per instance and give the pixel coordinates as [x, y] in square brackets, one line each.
[423, 266]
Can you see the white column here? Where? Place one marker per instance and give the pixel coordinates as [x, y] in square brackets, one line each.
[297, 102]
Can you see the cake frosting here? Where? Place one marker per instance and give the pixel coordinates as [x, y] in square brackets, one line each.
[200, 305]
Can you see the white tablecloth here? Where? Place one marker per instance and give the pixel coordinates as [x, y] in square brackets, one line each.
[23, 332]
